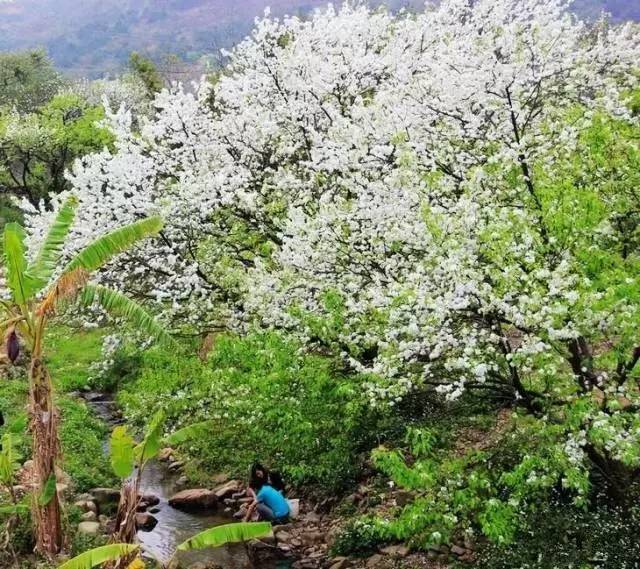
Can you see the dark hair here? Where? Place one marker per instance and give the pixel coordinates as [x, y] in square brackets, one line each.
[258, 476]
[275, 480]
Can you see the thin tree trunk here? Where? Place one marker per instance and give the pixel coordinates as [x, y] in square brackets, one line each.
[125, 529]
[43, 425]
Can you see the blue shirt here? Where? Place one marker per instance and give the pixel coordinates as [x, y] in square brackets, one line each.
[275, 501]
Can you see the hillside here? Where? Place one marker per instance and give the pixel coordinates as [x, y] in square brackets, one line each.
[94, 37]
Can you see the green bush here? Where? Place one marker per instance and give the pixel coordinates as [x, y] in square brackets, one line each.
[359, 537]
[268, 403]
[560, 536]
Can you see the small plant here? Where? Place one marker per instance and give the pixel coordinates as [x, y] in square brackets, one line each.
[360, 537]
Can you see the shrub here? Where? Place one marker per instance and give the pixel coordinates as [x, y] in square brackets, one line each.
[558, 535]
[359, 537]
[268, 402]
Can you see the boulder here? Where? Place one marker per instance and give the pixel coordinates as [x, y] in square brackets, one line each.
[182, 481]
[395, 551]
[89, 517]
[106, 496]
[228, 490]
[374, 561]
[145, 522]
[165, 454]
[89, 528]
[147, 501]
[194, 499]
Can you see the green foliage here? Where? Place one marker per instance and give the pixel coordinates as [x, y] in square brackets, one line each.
[82, 437]
[100, 555]
[558, 535]
[147, 72]
[122, 452]
[47, 259]
[37, 146]
[360, 537]
[264, 401]
[48, 491]
[106, 247]
[118, 305]
[28, 79]
[229, 533]
[71, 353]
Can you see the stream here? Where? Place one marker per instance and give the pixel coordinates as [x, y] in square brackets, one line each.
[174, 526]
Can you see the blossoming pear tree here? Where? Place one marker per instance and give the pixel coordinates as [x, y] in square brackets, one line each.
[423, 194]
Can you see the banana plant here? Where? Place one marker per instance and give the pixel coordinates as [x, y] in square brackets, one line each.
[38, 290]
[228, 533]
[128, 460]
[106, 554]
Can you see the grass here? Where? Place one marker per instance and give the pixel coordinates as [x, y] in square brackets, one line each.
[69, 353]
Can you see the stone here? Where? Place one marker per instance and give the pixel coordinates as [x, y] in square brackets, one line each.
[85, 497]
[89, 517]
[103, 519]
[89, 528]
[402, 498]
[283, 536]
[457, 550]
[220, 478]
[340, 563]
[154, 510]
[165, 454]
[176, 466]
[312, 537]
[145, 522]
[90, 506]
[147, 501]
[400, 551]
[194, 499]
[106, 496]
[182, 481]
[228, 489]
[374, 561]
[93, 396]
[262, 554]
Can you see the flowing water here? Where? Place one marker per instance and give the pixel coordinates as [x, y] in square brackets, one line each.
[174, 526]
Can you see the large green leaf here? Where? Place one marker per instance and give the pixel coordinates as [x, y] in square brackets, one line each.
[122, 452]
[11, 509]
[45, 263]
[229, 533]
[189, 433]
[48, 490]
[117, 304]
[21, 284]
[105, 248]
[100, 555]
[8, 460]
[150, 446]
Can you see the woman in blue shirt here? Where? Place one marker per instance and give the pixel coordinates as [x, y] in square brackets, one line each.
[270, 504]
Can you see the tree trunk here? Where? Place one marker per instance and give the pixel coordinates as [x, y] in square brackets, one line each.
[43, 424]
[125, 528]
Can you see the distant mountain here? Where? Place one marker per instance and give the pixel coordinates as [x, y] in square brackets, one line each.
[94, 37]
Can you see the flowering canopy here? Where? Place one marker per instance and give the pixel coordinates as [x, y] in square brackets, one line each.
[401, 189]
